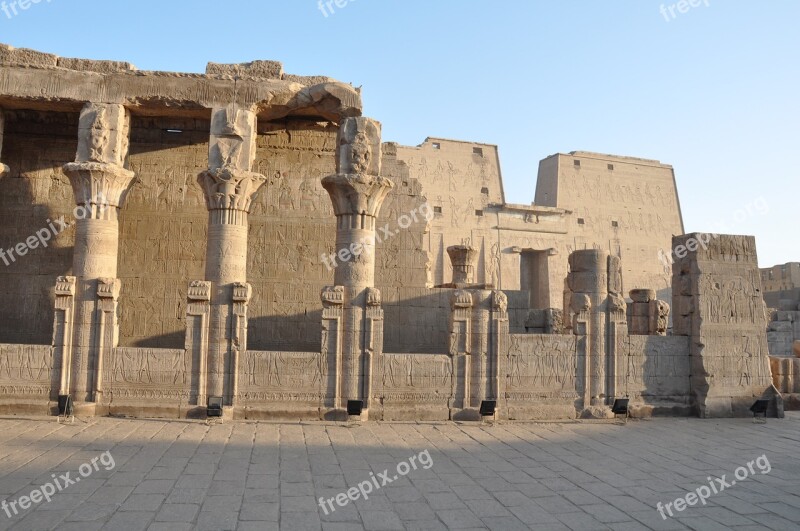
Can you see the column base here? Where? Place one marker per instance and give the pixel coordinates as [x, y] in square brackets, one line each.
[597, 412]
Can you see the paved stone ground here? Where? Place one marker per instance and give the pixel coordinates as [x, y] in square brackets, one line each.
[186, 475]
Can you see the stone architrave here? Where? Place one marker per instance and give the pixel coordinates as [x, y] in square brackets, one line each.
[3, 168]
[100, 183]
[357, 193]
[229, 187]
[718, 298]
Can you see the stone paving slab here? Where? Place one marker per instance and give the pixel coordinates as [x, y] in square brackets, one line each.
[173, 475]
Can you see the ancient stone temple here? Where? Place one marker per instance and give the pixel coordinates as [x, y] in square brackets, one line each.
[246, 236]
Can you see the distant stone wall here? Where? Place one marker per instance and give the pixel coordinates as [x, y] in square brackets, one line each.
[625, 205]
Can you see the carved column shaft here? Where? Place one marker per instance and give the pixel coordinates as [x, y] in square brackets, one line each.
[229, 188]
[100, 184]
[461, 345]
[357, 192]
[588, 282]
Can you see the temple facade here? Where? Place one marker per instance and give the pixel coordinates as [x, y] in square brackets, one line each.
[245, 235]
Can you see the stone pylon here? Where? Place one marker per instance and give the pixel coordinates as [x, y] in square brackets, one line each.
[598, 318]
[3, 168]
[353, 334]
[229, 187]
[718, 302]
[100, 183]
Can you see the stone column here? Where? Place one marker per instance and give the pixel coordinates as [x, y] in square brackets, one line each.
[463, 258]
[598, 314]
[229, 187]
[357, 192]
[3, 168]
[100, 183]
[588, 281]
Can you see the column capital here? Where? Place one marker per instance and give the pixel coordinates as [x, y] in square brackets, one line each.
[463, 258]
[357, 194]
[99, 187]
[229, 188]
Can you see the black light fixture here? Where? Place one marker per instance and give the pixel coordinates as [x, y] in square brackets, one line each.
[759, 409]
[214, 407]
[64, 405]
[354, 408]
[488, 408]
[620, 408]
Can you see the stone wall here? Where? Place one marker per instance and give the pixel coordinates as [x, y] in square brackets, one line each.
[28, 378]
[656, 373]
[718, 303]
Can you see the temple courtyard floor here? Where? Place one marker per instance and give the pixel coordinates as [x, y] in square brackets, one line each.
[107, 473]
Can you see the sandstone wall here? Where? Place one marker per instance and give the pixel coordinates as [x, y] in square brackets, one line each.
[27, 375]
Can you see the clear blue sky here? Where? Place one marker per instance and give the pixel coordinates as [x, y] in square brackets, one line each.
[714, 91]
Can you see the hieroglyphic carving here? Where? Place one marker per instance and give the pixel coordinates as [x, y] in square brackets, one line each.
[544, 365]
[289, 376]
[140, 374]
[27, 371]
[416, 378]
